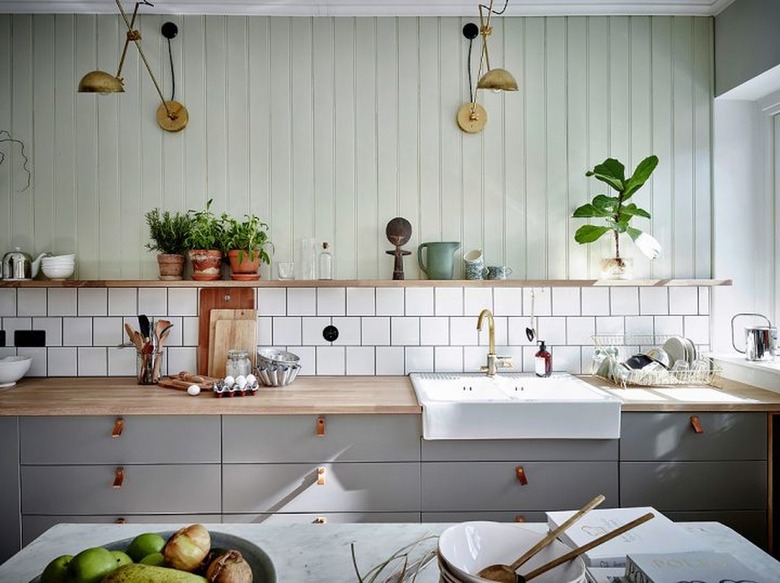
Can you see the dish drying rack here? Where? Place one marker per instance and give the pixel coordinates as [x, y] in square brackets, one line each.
[622, 347]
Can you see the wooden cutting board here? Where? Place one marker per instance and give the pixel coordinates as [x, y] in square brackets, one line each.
[228, 335]
[218, 298]
[217, 315]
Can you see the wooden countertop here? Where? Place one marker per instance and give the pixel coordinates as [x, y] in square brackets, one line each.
[326, 395]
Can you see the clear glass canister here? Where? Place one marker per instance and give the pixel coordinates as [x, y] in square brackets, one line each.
[238, 363]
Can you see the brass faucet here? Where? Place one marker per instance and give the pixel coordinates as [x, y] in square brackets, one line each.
[493, 361]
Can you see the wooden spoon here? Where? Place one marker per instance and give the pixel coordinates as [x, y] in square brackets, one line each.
[583, 549]
[507, 573]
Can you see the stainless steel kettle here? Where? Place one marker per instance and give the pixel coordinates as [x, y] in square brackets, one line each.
[18, 265]
[760, 341]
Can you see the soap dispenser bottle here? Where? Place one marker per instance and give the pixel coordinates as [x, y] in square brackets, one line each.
[543, 361]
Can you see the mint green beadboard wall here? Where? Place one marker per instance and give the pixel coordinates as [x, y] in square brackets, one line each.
[330, 127]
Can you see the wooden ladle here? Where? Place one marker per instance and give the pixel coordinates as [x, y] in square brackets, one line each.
[516, 578]
[507, 573]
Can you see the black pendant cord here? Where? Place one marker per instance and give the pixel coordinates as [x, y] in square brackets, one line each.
[173, 75]
[468, 67]
[470, 31]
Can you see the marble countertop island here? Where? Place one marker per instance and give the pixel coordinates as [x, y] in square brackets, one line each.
[304, 553]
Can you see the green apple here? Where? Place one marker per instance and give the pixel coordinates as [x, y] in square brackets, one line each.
[121, 558]
[57, 570]
[144, 544]
[91, 565]
[155, 559]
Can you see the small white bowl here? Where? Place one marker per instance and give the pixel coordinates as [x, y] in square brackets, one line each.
[47, 261]
[71, 257]
[57, 271]
[467, 548]
[12, 368]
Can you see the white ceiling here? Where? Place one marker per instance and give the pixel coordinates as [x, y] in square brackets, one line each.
[378, 7]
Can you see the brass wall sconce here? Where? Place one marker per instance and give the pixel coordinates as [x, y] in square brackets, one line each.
[172, 116]
[472, 117]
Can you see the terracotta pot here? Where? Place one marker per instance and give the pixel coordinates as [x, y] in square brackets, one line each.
[247, 266]
[206, 264]
[171, 266]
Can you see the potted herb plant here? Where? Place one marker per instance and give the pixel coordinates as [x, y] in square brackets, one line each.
[168, 233]
[617, 213]
[245, 243]
[205, 242]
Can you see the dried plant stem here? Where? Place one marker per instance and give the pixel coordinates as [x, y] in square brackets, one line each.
[5, 136]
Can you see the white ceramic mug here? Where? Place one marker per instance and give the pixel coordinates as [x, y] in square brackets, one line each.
[475, 264]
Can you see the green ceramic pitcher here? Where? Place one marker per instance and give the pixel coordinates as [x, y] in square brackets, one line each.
[439, 259]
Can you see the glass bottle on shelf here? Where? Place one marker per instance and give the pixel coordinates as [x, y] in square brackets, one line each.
[326, 262]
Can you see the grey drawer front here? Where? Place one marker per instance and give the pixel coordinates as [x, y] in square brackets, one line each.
[670, 436]
[491, 516]
[727, 485]
[328, 517]
[348, 438]
[348, 487]
[144, 440]
[10, 533]
[486, 486]
[526, 449]
[35, 525]
[146, 489]
[752, 524]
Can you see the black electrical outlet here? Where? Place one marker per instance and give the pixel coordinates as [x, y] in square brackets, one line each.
[330, 333]
[30, 338]
[2, 337]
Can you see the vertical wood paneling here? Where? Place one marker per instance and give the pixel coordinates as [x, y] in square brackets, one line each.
[329, 127]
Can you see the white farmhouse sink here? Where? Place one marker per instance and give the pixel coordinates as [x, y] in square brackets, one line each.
[514, 406]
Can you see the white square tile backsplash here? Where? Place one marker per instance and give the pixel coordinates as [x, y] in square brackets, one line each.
[385, 330]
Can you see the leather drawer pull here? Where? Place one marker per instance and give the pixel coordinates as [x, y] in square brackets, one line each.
[320, 520]
[321, 426]
[696, 424]
[119, 425]
[519, 517]
[320, 476]
[520, 473]
[121, 520]
[119, 477]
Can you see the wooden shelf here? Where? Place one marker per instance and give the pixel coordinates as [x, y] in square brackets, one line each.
[371, 283]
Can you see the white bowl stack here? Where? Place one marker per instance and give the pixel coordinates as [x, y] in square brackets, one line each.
[58, 266]
[467, 548]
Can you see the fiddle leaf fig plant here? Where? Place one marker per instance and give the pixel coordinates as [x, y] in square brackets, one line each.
[615, 210]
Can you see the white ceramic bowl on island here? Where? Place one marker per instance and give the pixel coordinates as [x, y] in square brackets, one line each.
[12, 368]
[467, 548]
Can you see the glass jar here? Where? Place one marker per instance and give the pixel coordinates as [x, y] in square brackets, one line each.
[237, 363]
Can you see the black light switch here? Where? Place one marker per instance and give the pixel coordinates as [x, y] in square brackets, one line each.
[30, 338]
[330, 333]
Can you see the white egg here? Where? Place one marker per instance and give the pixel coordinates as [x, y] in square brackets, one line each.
[251, 380]
[229, 381]
[241, 381]
[193, 390]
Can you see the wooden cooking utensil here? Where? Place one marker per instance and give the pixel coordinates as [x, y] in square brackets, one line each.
[499, 572]
[583, 549]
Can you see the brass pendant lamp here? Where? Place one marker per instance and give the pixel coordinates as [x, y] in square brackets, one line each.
[472, 117]
[172, 116]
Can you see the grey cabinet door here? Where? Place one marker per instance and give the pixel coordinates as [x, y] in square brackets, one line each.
[10, 533]
[671, 436]
[164, 489]
[143, 440]
[322, 518]
[483, 450]
[720, 485]
[346, 487]
[346, 438]
[494, 486]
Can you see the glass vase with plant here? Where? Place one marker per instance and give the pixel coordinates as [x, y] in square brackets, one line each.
[168, 233]
[618, 213]
[245, 243]
[205, 242]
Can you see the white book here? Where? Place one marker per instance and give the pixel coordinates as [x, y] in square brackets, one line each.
[702, 567]
[657, 535]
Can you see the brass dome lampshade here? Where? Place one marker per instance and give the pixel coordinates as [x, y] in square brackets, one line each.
[172, 116]
[472, 117]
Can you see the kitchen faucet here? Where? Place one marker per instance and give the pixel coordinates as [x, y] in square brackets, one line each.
[493, 361]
